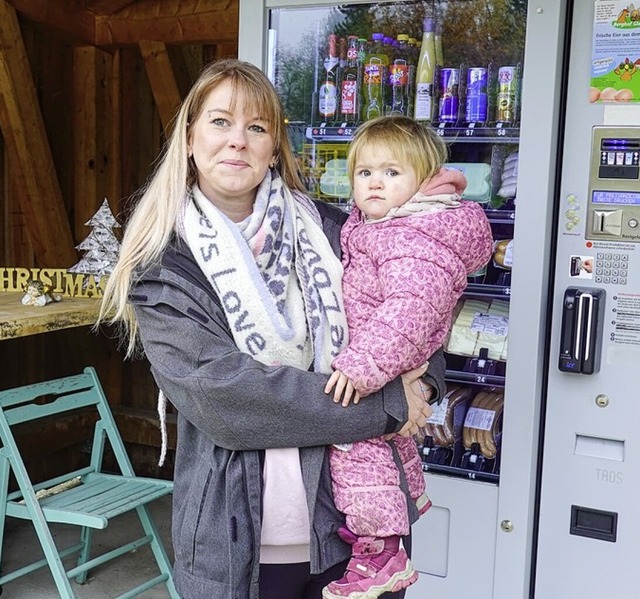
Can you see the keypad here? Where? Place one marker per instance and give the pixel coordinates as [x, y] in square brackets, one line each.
[611, 268]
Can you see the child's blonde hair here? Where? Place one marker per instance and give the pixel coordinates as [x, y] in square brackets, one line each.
[412, 143]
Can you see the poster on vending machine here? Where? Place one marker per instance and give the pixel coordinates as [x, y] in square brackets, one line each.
[615, 56]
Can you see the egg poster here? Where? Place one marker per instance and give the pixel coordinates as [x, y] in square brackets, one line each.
[615, 57]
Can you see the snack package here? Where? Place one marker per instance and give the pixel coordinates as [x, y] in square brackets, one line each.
[441, 426]
[483, 422]
[503, 253]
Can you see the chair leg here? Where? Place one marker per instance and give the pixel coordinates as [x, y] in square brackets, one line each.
[4, 485]
[162, 559]
[53, 559]
[85, 538]
[42, 531]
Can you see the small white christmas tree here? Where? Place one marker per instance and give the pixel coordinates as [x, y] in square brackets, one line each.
[101, 245]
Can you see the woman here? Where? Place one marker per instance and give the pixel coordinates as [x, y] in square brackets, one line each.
[228, 276]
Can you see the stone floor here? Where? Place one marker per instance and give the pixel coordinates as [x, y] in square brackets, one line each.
[105, 582]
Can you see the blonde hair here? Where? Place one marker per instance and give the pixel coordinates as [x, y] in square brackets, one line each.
[412, 143]
[160, 205]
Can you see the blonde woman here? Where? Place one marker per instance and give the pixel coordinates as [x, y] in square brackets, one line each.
[229, 279]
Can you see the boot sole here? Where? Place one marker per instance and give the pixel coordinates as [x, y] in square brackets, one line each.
[399, 581]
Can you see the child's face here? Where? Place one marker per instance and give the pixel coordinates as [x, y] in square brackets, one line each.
[381, 182]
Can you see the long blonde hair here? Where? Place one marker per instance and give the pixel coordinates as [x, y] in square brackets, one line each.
[412, 143]
[159, 209]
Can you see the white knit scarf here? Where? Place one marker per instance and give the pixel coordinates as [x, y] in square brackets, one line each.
[276, 275]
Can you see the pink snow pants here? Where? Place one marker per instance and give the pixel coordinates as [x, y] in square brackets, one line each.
[366, 485]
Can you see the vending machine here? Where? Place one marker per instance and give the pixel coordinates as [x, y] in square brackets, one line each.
[530, 458]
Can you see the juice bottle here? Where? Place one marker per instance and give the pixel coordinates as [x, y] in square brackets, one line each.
[399, 77]
[350, 92]
[375, 71]
[425, 72]
[342, 63]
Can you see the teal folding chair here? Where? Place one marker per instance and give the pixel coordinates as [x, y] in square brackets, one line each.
[87, 497]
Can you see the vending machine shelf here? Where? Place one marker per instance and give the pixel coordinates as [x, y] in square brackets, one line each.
[471, 133]
[489, 477]
[458, 376]
[497, 291]
[478, 133]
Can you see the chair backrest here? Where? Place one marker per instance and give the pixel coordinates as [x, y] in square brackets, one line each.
[66, 394]
[55, 397]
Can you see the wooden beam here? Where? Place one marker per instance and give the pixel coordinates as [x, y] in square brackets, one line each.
[114, 95]
[188, 21]
[162, 80]
[18, 248]
[84, 136]
[69, 17]
[107, 7]
[92, 133]
[23, 128]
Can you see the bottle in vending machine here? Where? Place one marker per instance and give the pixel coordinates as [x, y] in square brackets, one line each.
[507, 89]
[412, 52]
[342, 62]
[476, 98]
[328, 93]
[425, 72]
[350, 92]
[438, 43]
[399, 75]
[376, 64]
[388, 47]
[449, 86]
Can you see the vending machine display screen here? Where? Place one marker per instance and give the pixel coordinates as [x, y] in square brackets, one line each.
[619, 158]
[616, 197]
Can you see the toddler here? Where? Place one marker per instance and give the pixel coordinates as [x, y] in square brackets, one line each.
[408, 246]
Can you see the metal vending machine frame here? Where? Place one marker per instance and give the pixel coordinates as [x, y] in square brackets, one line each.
[478, 538]
[591, 455]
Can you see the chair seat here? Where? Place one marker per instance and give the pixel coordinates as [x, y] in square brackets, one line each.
[97, 499]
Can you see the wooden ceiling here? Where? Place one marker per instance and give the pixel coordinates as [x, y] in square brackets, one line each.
[124, 22]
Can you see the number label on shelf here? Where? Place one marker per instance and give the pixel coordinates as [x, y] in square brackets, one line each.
[481, 379]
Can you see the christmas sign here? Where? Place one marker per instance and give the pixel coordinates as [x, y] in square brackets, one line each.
[87, 278]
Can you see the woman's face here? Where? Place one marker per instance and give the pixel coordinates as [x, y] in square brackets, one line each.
[232, 150]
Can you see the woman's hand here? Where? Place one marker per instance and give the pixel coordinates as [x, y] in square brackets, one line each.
[417, 393]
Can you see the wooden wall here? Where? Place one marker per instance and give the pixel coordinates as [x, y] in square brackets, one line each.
[87, 89]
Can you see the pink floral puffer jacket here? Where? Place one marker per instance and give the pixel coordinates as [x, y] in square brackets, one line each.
[401, 283]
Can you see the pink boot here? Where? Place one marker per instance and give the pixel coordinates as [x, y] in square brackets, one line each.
[377, 566]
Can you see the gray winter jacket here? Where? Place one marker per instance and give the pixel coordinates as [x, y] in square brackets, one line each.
[231, 408]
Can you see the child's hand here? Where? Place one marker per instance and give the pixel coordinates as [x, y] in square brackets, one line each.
[343, 388]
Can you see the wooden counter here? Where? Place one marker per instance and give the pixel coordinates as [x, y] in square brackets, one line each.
[17, 320]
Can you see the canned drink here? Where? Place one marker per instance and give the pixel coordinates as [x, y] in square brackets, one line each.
[506, 94]
[476, 103]
[449, 82]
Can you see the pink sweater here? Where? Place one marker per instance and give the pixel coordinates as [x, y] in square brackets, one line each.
[401, 283]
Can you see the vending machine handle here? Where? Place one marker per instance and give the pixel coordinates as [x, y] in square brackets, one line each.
[581, 333]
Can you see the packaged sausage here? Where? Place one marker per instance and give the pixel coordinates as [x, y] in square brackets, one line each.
[441, 426]
[483, 422]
